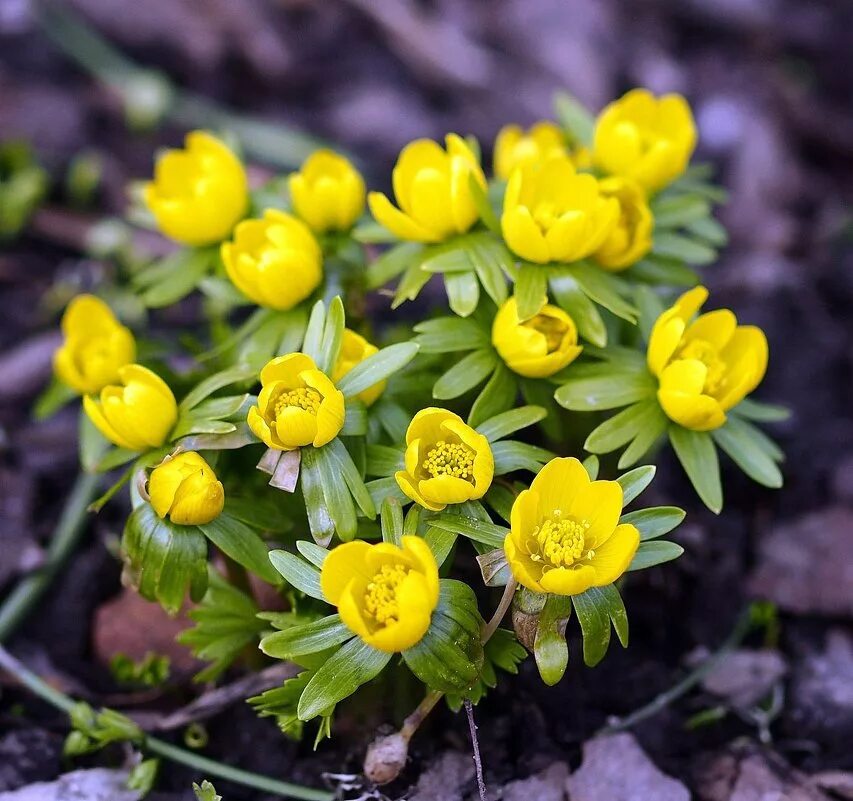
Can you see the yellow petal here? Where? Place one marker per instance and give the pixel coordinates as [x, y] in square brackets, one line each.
[446, 490]
[523, 235]
[350, 607]
[526, 572]
[340, 566]
[296, 427]
[410, 487]
[95, 414]
[330, 418]
[397, 222]
[612, 557]
[568, 580]
[287, 369]
[714, 327]
[600, 504]
[558, 483]
[425, 562]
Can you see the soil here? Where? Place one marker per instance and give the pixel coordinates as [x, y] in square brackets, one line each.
[771, 87]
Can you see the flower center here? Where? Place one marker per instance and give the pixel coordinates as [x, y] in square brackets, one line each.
[450, 459]
[545, 214]
[380, 597]
[302, 398]
[561, 540]
[551, 328]
[706, 353]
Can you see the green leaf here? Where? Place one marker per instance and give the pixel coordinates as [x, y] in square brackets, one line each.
[177, 275]
[501, 499]
[52, 399]
[608, 390]
[242, 544]
[312, 552]
[612, 601]
[575, 118]
[506, 423]
[383, 460]
[580, 308]
[450, 655]
[205, 792]
[710, 230]
[761, 412]
[412, 282]
[465, 374]
[681, 247]
[92, 444]
[306, 639]
[655, 521]
[503, 651]
[656, 552]
[549, 648]
[463, 291]
[440, 542]
[319, 520]
[447, 334]
[643, 442]
[679, 210]
[635, 481]
[481, 202]
[601, 287]
[511, 455]
[664, 271]
[650, 306]
[592, 466]
[298, 573]
[313, 340]
[336, 494]
[491, 261]
[497, 395]
[531, 290]
[355, 421]
[225, 378]
[622, 427]
[352, 478]
[333, 333]
[340, 676]
[383, 488]
[596, 609]
[477, 530]
[746, 446]
[391, 519]
[377, 367]
[698, 457]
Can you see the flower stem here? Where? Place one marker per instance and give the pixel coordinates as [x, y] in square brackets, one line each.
[205, 765]
[475, 742]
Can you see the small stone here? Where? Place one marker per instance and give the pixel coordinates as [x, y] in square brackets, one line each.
[547, 785]
[447, 778]
[26, 755]
[97, 784]
[745, 676]
[615, 768]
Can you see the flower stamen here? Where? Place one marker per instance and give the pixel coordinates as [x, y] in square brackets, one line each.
[380, 597]
[302, 398]
[450, 459]
[562, 540]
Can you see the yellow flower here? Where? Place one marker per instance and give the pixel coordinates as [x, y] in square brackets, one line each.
[298, 405]
[198, 194]
[581, 157]
[645, 138]
[447, 461]
[515, 147]
[384, 593]
[432, 190]
[536, 348]
[565, 534]
[553, 213]
[354, 350]
[274, 261]
[631, 237]
[96, 345]
[328, 192]
[138, 413]
[705, 367]
[185, 488]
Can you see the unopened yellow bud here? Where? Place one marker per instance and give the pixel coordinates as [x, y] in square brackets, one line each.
[328, 192]
[185, 489]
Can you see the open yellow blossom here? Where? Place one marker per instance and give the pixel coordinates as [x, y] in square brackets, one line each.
[515, 147]
[298, 405]
[137, 413]
[328, 192]
[199, 193]
[185, 488]
[553, 213]
[705, 367]
[538, 347]
[384, 593]
[631, 237]
[565, 534]
[645, 138]
[446, 461]
[274, 261]
[432, 189]
[354, 350]
[96, 345]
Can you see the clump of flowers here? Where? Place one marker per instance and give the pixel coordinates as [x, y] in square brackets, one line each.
[385, 462]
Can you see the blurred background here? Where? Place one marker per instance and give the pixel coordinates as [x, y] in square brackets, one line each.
[101, 84]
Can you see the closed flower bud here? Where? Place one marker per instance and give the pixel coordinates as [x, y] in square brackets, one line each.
[565, 534]
[137, 413]
[185, 489]
[446, 460]
[645, 138]
[515, 147]
[707, 366]
[274, 261]
[552, 213]
[298, 405]
[354, 350]
[538, 347]
[199, 193]
[385, 593]
[631, 237]
[328, 192]
[432, 189]
[96, 345]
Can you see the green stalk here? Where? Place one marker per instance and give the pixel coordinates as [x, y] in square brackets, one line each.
[166, 750]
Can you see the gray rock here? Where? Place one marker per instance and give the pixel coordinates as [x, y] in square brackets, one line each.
[617, 769]
[547, 785]
[97, 784]
[745, 676]
[447, 778]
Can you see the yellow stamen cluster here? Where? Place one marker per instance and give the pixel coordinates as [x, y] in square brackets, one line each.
[562, 541]
[450, 459]
[551, 328]
[380, 597]
[303, 398]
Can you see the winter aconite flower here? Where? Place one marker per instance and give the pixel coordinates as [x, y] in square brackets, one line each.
[565, 534]
[328, 192]
[384, 593]
[96, 345]
[515, 147]
[432, 189]
[354, 350]
[631, 237]
[199, 193]
[645, 138]
[705, 367]
[538, 347]
[298, 405]
[446, 460]
[553, 213]
[185, 488]
[274, 261]
[136, 413]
